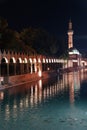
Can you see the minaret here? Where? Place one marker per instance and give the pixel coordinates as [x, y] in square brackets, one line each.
[70, 35]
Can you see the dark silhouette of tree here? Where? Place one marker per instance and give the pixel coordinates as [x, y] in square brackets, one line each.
[3, 24]
[31, 40]
[40, 40]
[10, 39]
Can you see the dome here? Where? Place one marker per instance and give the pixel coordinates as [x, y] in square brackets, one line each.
[74, 51]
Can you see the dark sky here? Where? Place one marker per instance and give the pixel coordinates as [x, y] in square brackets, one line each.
[52, 15]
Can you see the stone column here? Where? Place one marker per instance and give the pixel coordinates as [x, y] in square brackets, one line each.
[27, 68]
[31, 69]
[40, 69]
[6, 78]
[35, 67]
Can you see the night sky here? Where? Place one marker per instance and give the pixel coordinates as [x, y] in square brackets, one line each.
[51, 15]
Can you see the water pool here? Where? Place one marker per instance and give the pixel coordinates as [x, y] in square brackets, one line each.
[55, 104]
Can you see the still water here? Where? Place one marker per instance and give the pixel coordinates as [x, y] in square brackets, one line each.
[54, 104]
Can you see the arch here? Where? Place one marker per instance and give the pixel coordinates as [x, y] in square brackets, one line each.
[39, 60]
[19, 60]
[46, 60]
[13, 60]
[4, 60]
[34, 60]
[12, 66]
[49, 60]
[29, 65]
[43, 60]
[24, 65]
[18, 66]
[25, 60]
[4, 69]
[30, 60]
[43, 64]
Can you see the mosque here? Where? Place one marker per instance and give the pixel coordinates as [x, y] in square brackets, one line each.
[18, 68]
[73, 53]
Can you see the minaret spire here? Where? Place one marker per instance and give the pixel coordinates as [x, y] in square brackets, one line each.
[70, 25]
[70, 35]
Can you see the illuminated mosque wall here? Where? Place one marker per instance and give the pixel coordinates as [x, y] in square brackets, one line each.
[75, 58]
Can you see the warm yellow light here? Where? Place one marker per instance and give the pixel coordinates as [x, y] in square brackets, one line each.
[48, 68]
[40, 73]
[25, 60]
[40, 84]
[43, 60]
[34, 60]
[46, 60]
[20, 60]
[6, 59]
[30, 60]
[39, 61]
[14, 61]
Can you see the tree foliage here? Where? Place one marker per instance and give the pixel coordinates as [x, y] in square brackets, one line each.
[42, 41]
[32, 40]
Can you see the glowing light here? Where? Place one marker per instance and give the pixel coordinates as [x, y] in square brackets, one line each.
[30, 60]
[36, 95]
[74, 51]
[20, 60]
[6, 60]
[75, 60]
[1, 79]
[40, 83]
[46, 60]
[1, 95]
[48, 68]
[40, 73]
[34, 60]
[39, 60]
[21, 105]
[49, 60]
[14, 61]
[52, 60]
[43, 60]
[7, 113]
[25, 60]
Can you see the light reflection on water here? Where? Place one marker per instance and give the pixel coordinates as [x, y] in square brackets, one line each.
[56, 103]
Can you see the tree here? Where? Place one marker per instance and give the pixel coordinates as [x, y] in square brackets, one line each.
[40, 40]
[3, 24]
[32, 40]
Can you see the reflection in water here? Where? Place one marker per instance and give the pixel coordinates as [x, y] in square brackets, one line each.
[7, 112]
[31, 95]
[1, 95]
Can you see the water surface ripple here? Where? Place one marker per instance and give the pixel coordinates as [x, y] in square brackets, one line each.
[53, 104]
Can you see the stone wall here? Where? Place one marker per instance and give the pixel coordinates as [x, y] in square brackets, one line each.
[49, 74]
[20, 79]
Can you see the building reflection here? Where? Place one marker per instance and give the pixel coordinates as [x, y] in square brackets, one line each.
[31, 95]
[1, 95]
[74, 81]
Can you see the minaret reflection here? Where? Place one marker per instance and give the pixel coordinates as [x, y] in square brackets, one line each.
[71, 88]
[1, 95]
[74, 86]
